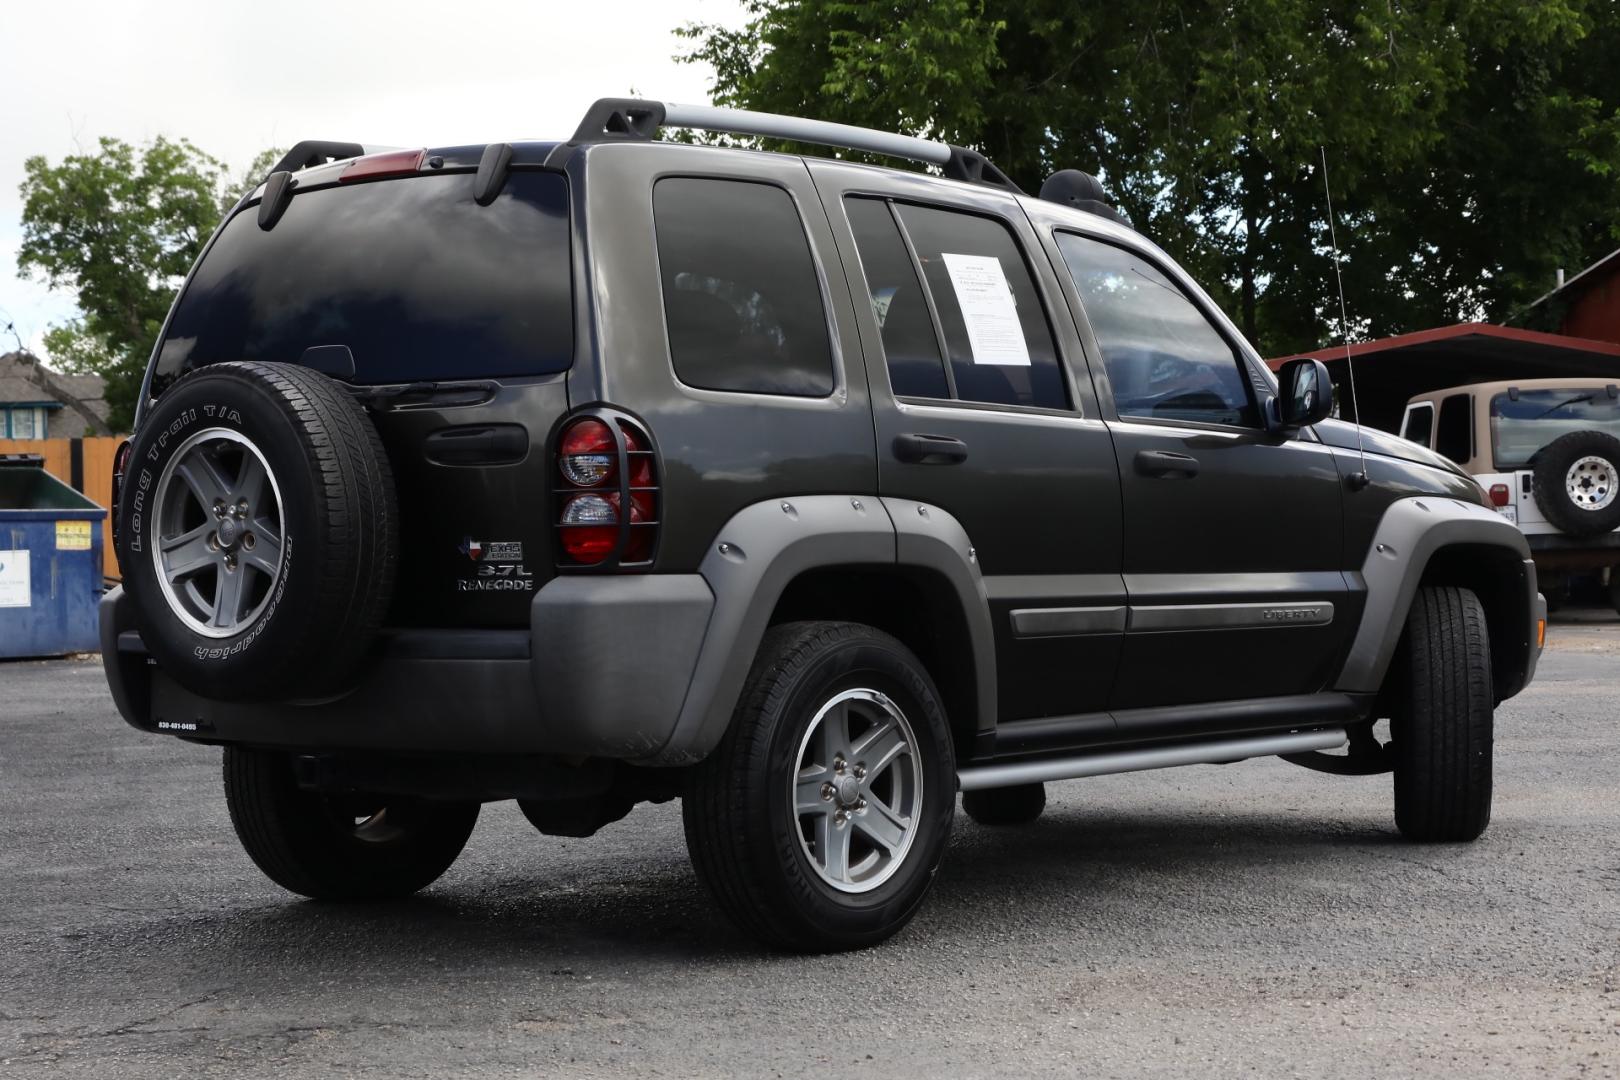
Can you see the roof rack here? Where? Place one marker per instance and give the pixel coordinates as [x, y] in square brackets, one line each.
[313, 152]
[612, 119]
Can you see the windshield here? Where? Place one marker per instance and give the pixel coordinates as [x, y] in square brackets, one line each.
[1520, 428]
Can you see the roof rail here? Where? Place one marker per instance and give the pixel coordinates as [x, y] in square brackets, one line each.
[612, 119]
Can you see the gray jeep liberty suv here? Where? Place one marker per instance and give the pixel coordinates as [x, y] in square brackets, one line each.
[809, 492]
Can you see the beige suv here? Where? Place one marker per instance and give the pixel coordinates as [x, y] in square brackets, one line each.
[1547, 453]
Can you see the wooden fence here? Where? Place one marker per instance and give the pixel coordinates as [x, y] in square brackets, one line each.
[84, 464]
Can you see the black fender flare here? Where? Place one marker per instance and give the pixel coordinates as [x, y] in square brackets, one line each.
[764, 546]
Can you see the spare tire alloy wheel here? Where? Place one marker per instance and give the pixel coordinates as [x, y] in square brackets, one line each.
[858, 790]
[1590, 483]
[258, 532]
[217, 520]
[1576, 482]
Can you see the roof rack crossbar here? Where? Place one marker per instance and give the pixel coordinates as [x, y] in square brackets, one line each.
[628, 118]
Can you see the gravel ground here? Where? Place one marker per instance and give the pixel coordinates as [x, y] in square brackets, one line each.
[1252, 919]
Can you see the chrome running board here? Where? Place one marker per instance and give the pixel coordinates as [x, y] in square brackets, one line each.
[977, 777]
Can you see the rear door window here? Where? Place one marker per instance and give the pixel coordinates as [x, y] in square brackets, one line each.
[910, 345]
[742, 299]
[415, 278]
[999, 343]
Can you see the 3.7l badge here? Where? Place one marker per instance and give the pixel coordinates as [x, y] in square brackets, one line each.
[512, 577]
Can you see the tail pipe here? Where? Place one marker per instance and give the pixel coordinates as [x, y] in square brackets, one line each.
[977, 777]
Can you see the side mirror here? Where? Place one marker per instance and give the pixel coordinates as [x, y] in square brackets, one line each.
[1305, 394]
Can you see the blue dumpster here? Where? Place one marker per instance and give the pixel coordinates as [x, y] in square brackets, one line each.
[50, 562]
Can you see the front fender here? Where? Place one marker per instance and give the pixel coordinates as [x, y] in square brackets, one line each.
[1410, 533]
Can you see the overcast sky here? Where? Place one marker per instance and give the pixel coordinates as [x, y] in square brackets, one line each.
[237, 77]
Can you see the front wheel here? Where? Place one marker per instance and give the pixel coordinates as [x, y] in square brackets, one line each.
[1441, 720]
[819, 821]
[339, 847]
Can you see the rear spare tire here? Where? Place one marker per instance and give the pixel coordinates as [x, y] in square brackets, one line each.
[258, 532]
[1577, 479]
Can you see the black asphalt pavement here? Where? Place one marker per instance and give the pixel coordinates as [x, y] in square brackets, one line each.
[1244, 920]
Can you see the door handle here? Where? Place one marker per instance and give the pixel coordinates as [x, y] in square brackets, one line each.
[1166, 463]
[929, 449]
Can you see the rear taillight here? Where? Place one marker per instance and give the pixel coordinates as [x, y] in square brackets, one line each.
[120, 467]
[1500, 495]
[608, 499]
[588, 453]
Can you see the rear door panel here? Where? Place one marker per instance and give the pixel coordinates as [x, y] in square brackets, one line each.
[1038, 491]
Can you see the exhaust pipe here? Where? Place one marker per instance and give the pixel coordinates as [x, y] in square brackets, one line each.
[978, 777]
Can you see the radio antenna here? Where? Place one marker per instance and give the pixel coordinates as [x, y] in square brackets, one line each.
[1357, 481]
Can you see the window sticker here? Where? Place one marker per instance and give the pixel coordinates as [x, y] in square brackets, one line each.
[988, 309]
[14, 579]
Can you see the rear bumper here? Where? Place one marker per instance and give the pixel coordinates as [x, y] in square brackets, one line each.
[607, 680]
[1560, 551]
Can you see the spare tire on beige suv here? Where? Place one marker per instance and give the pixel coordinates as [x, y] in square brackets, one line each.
[1576, 483]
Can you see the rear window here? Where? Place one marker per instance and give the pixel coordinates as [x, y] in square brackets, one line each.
[415, 278]
[1523, 423]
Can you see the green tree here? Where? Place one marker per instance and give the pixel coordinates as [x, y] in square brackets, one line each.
[120, 227]
[1473, 144]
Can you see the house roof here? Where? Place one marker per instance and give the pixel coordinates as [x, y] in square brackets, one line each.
[1610, 263]
[18, 388]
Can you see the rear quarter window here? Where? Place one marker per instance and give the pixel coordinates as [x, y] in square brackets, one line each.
[415, 278]
[1454, 431]
[742, 299]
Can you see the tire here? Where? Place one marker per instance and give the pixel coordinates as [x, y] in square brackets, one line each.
[235, 465]
[1017, 805]
[339, 847]
[1441, 719]
[1577, 482]
[775, 872]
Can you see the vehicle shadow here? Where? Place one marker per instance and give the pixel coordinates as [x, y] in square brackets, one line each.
[1080, 864]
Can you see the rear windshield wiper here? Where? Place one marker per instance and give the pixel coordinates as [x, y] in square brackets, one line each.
[1562, 404]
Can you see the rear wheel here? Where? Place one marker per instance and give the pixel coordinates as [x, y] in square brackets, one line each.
[1441, 718]
[339, 847]
[819, 821]
[1017, 805]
